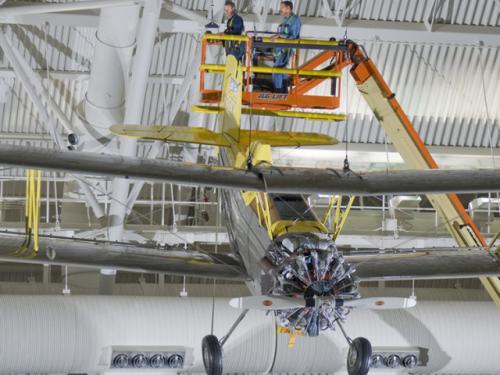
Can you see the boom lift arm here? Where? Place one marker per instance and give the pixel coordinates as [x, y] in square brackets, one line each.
[412, 149]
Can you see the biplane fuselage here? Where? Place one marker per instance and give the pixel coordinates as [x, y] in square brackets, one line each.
[254, 219]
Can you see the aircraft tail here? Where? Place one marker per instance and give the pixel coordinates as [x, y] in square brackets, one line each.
[231, 100]
[229, 134]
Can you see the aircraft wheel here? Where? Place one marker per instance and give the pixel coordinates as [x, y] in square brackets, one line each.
[212, 355]
[358, 358]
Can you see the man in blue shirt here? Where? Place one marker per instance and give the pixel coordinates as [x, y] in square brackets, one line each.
[288, 29]
[234, 26]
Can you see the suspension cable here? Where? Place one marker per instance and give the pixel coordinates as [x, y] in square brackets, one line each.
[346, 132]
[217, 223]
[250, 57]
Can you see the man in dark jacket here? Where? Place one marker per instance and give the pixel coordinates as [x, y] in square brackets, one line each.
[235, 26]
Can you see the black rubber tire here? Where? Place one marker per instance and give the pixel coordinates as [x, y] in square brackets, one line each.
[358, 358]
[212, 355]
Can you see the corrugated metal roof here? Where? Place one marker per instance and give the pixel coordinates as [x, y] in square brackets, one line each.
[476, 12]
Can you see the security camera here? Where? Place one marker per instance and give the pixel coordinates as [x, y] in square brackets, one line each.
[73, 139]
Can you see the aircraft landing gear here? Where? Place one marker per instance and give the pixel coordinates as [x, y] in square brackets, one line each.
[358, 357]
[211, 348]
[359, 354]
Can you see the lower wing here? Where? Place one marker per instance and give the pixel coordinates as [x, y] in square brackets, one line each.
[418, 264]
[119, 256]
[439, 263]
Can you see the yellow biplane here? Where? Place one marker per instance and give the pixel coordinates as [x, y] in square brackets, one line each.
[281, 248]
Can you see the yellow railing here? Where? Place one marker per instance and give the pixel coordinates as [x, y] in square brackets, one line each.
[219, 68]
[221, 37]
[292, 42]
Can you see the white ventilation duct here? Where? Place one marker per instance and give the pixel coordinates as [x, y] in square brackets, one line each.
[55, 334]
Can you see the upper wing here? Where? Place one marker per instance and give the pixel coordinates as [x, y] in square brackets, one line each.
[185, 134]
[272, 180]
[414, 264]
[285, 139]
[182, 134]
[119, 256]
[371, 265]
[307, 115]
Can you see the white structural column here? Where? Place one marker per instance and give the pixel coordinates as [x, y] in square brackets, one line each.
[105, 99]
[134, 109]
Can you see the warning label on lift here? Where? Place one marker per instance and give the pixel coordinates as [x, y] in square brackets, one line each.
[271, 96]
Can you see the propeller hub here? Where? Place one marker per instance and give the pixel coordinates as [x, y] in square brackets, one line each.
[309, 266]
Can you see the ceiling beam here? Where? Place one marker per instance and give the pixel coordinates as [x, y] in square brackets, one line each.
[313, 27]
[32, 8]
[84, 75]
[390, 31]
[186, 13]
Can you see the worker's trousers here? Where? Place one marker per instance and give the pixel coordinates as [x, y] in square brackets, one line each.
[280, 61]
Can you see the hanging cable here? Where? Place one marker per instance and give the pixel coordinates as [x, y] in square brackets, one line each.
[346, 132]
[250, 57]
[56, 204]
[346, 167]
[388, 161]
[46, 27]
[217, 223]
